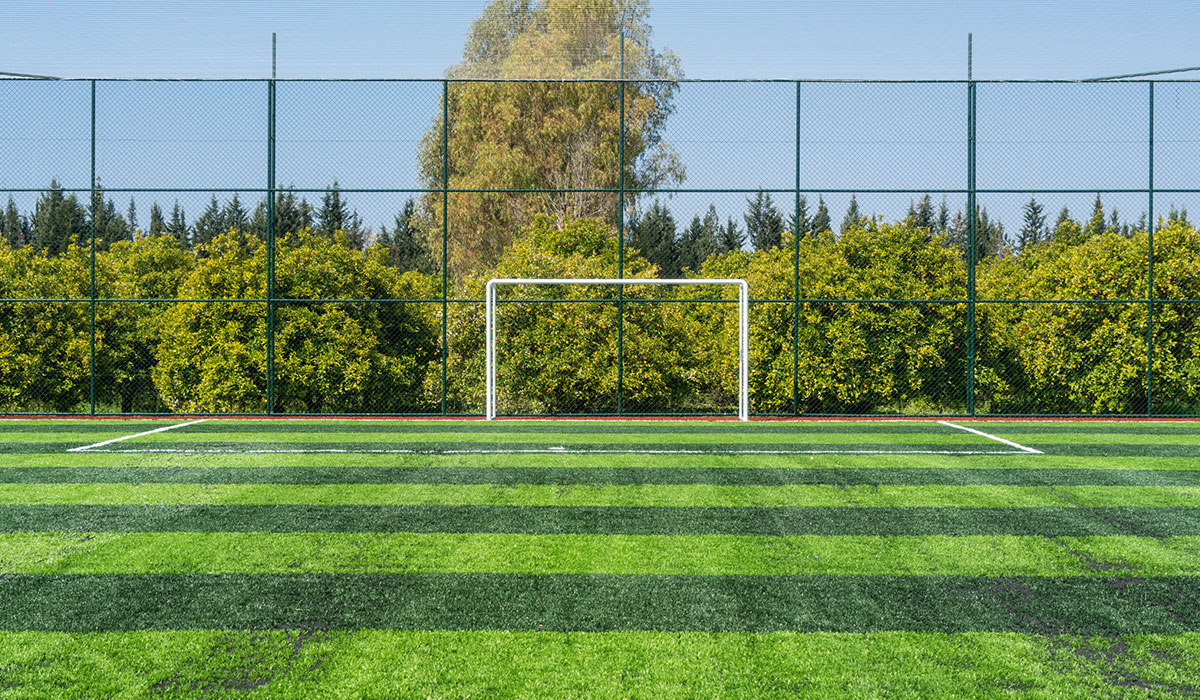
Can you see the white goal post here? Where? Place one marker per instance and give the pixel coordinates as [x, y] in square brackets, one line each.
[743, 327]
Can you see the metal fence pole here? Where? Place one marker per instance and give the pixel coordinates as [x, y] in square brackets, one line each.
[1150, 272]
[445, 225]
[971, 328]
[796, 274]
[92, 237]
[271, 246]
[621, 252]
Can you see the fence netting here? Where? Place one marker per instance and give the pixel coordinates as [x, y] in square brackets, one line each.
[322, 247]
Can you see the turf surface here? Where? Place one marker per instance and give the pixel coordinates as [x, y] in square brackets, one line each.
[599, 559]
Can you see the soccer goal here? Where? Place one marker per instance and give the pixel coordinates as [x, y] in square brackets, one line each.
[743, 326]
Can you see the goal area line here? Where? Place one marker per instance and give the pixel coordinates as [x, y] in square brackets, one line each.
[541, 451]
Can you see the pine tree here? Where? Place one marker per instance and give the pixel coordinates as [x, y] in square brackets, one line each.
[233, 216]
[157, 224]
[131, 218]
[989, 235]
[1064, 216]
[821, 221]
[1141, 224]
[108, 225]
[653, 234]
[1033, 230]
[800, 225]
[210, 224]
[852, 215]
[943, 216]
[291, 216]
[406, 244]
[699, 240]
[764, 223]
[730, 237]
[14, 228]
[923, 217]
[958, 232]
[1177, 215]
[57, 221]
[334, 216]
[1095, 225]
[177, 228]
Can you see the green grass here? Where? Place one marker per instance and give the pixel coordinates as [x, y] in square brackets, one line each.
[238, 562]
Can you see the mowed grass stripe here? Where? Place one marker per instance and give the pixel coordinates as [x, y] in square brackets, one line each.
[707, 461]
[642, 440]
[651, 495]
[1078, 522]
[597, 603]
[261, 553]
[302, 664]
[566, 476]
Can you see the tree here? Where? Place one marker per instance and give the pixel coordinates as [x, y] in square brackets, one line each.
[157, 225]
[652, 234]
[798, 221]
[853, 216]
[178, 228]
[989, 235]
[1033, 228]
[551, 136]
[405, 243]
[234, 215]
[210, 224]
[58, 220]
[922, 214]
[131, 217]
[943, 216]
[108, 226]
[14, 228]
[699, 240]
[764, 223]
[1095, 226]
[821, 221]
[335, 217]
[730, 237]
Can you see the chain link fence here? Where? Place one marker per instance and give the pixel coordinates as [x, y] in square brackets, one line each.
[321, 247]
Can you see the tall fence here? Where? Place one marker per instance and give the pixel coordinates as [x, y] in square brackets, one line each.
[366, 216]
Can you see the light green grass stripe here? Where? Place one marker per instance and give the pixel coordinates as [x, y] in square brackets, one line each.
[890, 496]
[707, 461]
[1097, 438]
[936, 434]
[706, 555]
[288, 665]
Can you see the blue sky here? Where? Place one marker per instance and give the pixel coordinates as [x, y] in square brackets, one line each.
[1032, 137]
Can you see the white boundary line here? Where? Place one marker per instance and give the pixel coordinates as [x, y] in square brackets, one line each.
[554, 451]
[1010, 443]
[91, 448]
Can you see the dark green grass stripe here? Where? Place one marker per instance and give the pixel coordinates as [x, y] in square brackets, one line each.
[1141, 522]
[594, 603]
[190, 445]
[477, 427]
[724, 476]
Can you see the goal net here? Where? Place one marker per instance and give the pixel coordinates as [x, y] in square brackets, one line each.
[603, 315]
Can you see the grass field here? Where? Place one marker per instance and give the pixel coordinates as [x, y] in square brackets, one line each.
[461, 559]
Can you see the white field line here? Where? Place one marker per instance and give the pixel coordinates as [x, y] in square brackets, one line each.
[93, 447]
[557, 451]
[1010, 443]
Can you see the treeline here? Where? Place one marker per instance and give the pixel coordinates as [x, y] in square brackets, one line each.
[385, 356]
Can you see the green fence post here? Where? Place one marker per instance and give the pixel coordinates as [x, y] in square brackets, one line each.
[445, 225]
[621, 234]
[92, 237]
[796, 274]
[1150, 273]
[271, 246]
[971, 329]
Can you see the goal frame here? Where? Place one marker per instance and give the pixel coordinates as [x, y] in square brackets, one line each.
[743, 326]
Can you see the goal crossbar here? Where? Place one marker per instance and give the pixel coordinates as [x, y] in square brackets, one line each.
[743, 327]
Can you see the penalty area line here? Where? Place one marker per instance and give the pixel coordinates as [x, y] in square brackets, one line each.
[95, 446]
[1010, 443]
